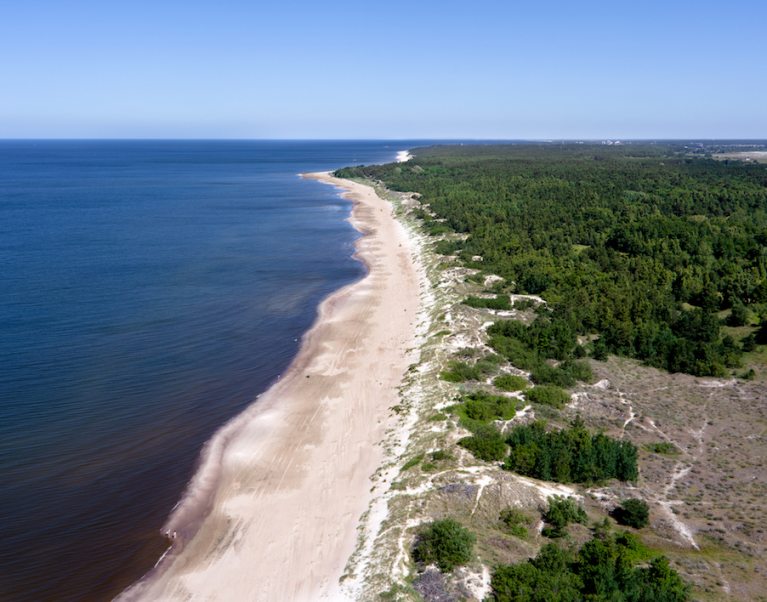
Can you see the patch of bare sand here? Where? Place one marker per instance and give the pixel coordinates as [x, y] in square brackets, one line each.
[290, 478]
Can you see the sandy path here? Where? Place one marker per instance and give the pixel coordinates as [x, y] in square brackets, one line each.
[291, 476]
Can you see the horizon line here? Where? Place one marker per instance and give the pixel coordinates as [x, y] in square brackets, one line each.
[374, 139]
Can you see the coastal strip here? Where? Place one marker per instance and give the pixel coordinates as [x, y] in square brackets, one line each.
[274, 510]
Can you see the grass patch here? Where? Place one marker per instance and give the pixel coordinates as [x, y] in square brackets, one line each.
[510, 382]
[441, 455]
[460, 371]
[415, 461]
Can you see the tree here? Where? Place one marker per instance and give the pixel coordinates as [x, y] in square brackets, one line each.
[604, 568]
[738, 315]
[633, 512]
[760, 336]
[486, 444]
[445, 543]
[635, 248]
[599, 350]
[561, 512]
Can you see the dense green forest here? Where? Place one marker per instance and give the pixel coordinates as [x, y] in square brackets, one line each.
[571, 455]
[609, 567]
[642, 245]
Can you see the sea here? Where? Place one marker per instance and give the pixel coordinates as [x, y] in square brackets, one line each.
[149, 292]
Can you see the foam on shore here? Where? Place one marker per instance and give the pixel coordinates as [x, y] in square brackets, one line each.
[403, 156]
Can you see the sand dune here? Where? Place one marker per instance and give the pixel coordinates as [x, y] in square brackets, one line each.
[284, 485]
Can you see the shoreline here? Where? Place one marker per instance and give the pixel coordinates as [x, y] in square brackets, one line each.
[274, 508]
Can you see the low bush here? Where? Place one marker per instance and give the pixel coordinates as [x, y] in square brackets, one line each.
[486, 444]
[662, 447]
[548, 395]
[415, 461]
[458, 372]
[633, 512]
[561, 512]
[564, 375]
[515, 521]
[510, 382]
[440, 455]
[481, 407]
[524, 304]
[445, 543]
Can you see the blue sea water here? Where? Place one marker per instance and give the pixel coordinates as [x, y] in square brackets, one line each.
[150, 290]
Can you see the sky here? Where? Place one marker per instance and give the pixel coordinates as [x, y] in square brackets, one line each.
[395, 69]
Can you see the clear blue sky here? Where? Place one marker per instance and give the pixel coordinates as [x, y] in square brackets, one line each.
[417, 69]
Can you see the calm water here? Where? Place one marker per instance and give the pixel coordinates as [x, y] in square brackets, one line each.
[149, 291]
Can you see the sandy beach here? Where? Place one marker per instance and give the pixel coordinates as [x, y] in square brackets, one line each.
[273, 512]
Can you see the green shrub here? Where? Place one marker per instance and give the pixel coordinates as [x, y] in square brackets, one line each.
[749, 374]
[561, 512]
[515, 351]
[748, 343]
[760, 336]
[515, 521]
[484, 407]
[510, 382]
[599, 349]
[738, 315]
[412, 462]
[565, 375]
[486, 444]
[543, 374]
[604, 568]
[633, 513]
[499, 302]
[440, 455]
[458, 372]
[662, 447]
[547, 577]
[445, 543]
[523, 304]
[447, 247]
[580, 371]
[548, 395]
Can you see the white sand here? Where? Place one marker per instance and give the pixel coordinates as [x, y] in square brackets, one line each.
[281, 489]
[403, 156]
